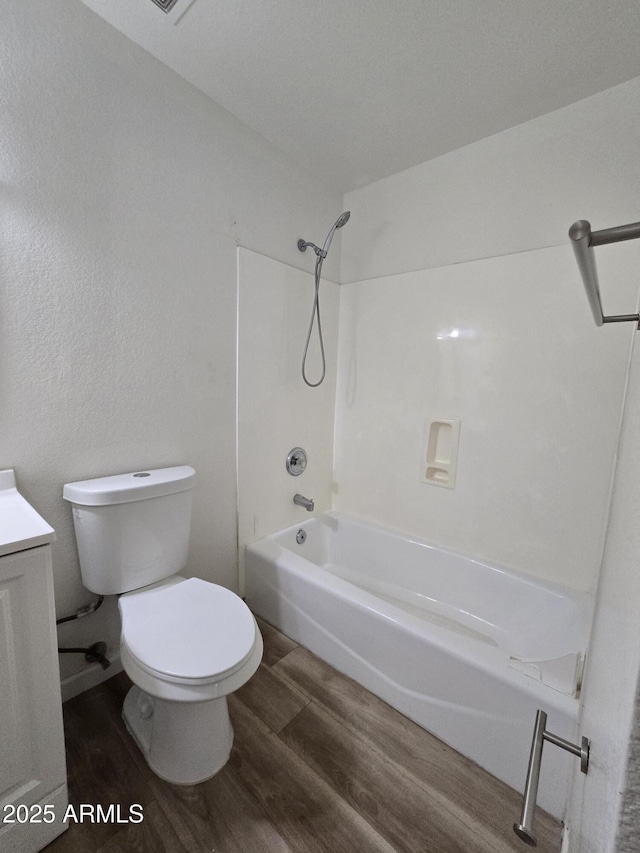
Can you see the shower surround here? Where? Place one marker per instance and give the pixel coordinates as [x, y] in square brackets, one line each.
[480, 343]
[461, 301]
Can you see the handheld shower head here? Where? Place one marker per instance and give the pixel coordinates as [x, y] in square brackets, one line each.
[322, 252]
[340, 221]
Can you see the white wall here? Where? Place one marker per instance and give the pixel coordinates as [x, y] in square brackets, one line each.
[277, 411]
[512, 192]
[491, 325]
[123, 195]
[495, 343]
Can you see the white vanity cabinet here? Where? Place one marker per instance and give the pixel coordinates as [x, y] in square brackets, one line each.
[33, 779]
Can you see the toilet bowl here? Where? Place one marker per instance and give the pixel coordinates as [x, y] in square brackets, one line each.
[186, 643]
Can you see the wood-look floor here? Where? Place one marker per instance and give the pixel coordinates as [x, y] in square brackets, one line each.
[318, 764]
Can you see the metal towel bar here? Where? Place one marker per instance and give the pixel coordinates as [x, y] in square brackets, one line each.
[524, 829]
[583, 241]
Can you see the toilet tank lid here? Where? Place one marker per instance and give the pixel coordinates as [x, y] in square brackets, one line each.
[126, 488]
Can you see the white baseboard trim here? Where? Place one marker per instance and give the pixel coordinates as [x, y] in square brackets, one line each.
[89, 677]
[32, 837]
[565, 840]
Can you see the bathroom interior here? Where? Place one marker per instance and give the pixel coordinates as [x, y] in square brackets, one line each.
[159, 167]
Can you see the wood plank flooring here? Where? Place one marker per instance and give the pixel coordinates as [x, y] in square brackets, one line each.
[319, 765]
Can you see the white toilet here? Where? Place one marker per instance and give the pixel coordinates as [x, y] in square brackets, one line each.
[185, 643]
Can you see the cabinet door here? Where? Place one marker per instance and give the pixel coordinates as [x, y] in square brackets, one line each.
[32, 759]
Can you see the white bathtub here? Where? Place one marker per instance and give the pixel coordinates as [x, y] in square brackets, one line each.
[468, 650]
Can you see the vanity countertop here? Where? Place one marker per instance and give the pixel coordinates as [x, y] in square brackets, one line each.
[20, 525]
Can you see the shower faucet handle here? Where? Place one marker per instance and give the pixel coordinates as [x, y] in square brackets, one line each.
[296, 461]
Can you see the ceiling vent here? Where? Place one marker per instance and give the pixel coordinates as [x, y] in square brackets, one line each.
[173, 9]
[165, 5]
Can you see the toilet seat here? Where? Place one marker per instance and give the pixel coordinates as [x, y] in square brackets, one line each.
[189, 632]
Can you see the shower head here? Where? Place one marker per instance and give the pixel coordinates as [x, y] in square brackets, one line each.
[322, 252]
[340, 221]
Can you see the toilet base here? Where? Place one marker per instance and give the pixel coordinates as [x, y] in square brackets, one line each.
[182, 742]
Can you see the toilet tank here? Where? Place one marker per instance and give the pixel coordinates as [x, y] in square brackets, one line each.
[131, 529]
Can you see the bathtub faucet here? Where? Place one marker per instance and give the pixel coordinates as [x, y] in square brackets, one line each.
[300, 500]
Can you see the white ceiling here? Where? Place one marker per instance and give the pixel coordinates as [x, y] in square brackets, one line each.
[359, 89]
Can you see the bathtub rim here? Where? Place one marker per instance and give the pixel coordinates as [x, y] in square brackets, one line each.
[585, 597]
[485, 656]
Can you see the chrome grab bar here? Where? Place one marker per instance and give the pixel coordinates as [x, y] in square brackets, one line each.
[583, 240]
[524, 829]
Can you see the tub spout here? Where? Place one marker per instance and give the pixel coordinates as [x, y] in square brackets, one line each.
[300, 500]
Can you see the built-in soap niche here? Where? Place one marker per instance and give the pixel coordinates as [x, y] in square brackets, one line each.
[440, 456]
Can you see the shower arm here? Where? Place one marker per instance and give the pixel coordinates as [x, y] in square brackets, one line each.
[303, 244]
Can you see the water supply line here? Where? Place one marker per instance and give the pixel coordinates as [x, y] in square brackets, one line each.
[94, 653]
[84, 611]
[321, 254]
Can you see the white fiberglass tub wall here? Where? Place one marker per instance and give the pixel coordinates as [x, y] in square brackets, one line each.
[468, 650]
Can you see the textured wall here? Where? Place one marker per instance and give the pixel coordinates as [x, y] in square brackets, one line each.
[614, 657]
[630, 812]
[512, 192]
[123, 195]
